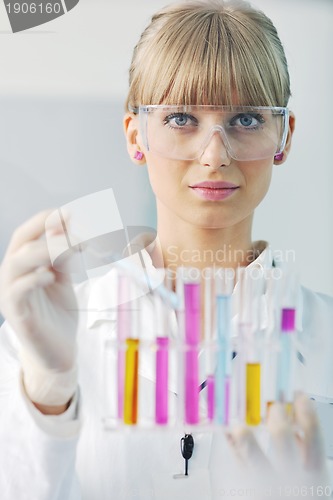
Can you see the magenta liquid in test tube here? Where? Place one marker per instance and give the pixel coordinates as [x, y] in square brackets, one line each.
[162, 361]
[192, 337]
[209, 297]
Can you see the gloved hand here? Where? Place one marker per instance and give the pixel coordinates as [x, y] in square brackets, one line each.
[40, 305]
[294, 463]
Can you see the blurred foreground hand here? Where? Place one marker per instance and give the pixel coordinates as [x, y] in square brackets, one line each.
[294, 464]
[39, 304]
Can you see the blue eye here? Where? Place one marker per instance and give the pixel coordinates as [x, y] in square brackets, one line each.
[247, 120]
[180, 120]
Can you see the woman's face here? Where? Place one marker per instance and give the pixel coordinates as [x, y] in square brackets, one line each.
[230, 193]
[212, 191]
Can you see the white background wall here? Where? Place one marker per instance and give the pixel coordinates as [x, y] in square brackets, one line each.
[62, 88]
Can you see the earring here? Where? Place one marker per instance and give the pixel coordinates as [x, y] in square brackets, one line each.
[278, 157]
[138, 155]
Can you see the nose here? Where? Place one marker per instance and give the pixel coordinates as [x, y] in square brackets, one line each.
[215, 153]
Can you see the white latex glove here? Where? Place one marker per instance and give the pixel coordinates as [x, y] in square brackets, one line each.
[294, 465]
[40, 305]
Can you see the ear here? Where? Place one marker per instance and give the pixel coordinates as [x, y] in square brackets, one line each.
[287, 147]
[133, 139]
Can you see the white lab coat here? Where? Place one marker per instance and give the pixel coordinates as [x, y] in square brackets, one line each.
[72, 457]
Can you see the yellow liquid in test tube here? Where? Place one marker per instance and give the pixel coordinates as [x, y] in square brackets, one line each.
[253, 416]
[131, 382]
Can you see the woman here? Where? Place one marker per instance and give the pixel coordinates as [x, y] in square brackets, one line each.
[207, 113]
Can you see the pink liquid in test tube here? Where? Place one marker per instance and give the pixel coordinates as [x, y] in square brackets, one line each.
[192, 336]
[211, 397]
[227, 401]
[161, 399]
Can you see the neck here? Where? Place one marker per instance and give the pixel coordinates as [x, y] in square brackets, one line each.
[182, 244]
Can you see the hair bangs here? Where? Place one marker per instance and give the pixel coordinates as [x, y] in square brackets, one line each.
[256, 75]
[195, 69]
[209, 56]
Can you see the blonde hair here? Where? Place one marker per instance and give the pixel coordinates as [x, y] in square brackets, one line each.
[217, 52]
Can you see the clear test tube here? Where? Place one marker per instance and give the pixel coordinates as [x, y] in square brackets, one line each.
[224, 283]
[192, 339]
[243, 325]
[110, 400]
[270, 341]
[123, 331]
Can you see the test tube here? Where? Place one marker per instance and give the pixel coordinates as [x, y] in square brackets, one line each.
[209, 310]
[242, 327]
[123, 330]
[224, 287]
[131, 382]
[253, 364]
[253, 405]
[162, 363]
[251, 292]
[287, 358]
[161, 408]
[271, 341]
[288, 353]
[192, 338]
[239, 374]
[132, 366]
[180, 277]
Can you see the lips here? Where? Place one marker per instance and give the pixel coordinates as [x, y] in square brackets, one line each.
[215, 185]
[214, 191]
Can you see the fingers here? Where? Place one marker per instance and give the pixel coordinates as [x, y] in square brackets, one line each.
[307, 436]
[310, 438]
[30, 230]
[31, 281]
[27, 254]
[29, 257]
[22, 287]
[247, 449]
[282, 463]
[284, 450]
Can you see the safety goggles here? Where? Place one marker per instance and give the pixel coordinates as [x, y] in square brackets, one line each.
[184, 132]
